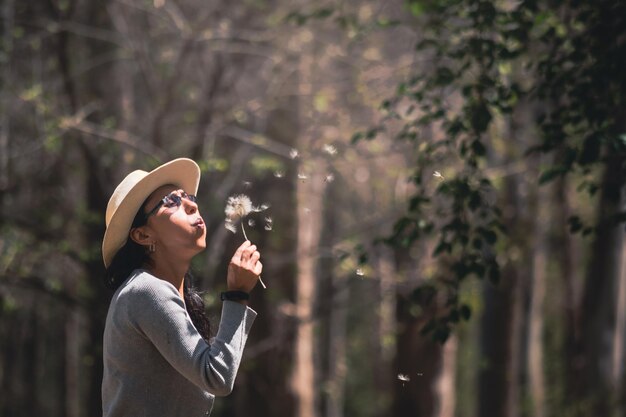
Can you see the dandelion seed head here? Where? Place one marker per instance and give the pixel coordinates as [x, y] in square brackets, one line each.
[238, 207]
[330, 149]
[228, 224]
[293, 153]
[268, 223]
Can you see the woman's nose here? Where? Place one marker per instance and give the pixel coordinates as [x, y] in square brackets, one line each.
[190, 206]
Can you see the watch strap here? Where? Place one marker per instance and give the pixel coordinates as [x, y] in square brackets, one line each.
[234, 296]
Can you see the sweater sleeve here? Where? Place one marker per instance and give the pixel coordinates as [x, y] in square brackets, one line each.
[159, 314]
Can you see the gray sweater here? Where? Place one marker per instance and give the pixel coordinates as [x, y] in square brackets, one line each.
[155, 361]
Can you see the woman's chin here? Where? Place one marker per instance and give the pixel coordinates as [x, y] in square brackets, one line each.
[201, 245]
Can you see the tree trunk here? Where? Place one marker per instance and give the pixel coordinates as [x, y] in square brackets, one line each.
[495, 377]
[309, 195]
[446, 383]
[5, 97]
[537, 297]
[337, 366]
[601, 289]
[386, 327]
[418, 357]
[619, 338]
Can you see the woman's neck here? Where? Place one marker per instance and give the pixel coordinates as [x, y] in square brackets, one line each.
[174, 273]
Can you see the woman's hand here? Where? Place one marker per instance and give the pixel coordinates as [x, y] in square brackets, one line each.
[244, 268]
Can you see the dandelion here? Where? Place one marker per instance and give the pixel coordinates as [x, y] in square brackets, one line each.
[438, 175]
[293, 153]
[330, 149]
[403, 378]
[237, 208]
[268, 223]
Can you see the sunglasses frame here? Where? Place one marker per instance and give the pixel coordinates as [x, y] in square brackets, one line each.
[172, 197]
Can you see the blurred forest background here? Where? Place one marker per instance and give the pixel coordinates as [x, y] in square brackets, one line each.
[445, 181]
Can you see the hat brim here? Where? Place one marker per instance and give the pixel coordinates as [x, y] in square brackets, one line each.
[182, 172]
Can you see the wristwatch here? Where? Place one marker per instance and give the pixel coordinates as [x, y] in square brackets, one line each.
[234, 296]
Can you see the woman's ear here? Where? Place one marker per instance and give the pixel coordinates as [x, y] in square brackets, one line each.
[141, 236]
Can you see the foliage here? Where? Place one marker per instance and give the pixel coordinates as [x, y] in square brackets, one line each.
[488, 58]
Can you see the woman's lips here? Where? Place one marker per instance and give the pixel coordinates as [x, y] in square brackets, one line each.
[199, 223]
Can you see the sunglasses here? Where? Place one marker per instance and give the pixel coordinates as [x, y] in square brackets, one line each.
[173, 199]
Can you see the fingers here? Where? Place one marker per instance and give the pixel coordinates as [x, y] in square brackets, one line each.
[240, 250]
[258, 268]
[256, 255]
[247, 252]
[245, 268]
[246, 256]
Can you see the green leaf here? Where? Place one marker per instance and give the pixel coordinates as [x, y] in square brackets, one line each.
[575, 224]
[384, 22]
[357, 137]
[444, 76]
[416, 8]
[480, 116]
[465, 312]
[552, 173]
[323, 13]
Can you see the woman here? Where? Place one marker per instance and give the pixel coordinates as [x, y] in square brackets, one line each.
[159, 359]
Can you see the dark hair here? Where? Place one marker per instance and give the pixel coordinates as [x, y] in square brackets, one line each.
[133, 255]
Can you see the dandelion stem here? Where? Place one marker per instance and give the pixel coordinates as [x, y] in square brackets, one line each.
[244, 235]
[244, 230]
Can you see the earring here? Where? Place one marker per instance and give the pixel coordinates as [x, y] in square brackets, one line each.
[152, 248]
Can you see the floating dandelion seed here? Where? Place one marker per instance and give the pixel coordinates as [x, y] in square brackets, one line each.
[237, 208]
[403, 378]
[360, 272]
[307, 210]
[438, 175]
[302, 176]
[279, 174]
[251, 222]
[330, 149]
[247, 184]
[329, 178]
[268, 223]
[293, 153]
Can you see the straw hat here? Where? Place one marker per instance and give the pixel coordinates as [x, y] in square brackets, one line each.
[134, 190]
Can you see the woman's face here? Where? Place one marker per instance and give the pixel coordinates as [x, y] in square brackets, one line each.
[176, 230]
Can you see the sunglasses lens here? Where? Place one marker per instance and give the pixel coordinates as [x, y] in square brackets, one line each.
[172, 200]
